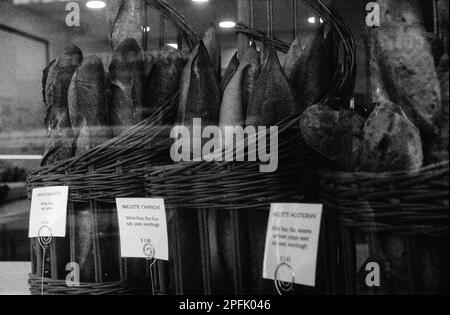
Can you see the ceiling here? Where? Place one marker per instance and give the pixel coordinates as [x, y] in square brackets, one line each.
[199, 15]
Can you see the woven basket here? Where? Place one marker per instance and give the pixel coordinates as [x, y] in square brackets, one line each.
[112, 170]
[238, 194]
[407, 212]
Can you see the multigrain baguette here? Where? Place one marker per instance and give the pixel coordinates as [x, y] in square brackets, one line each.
[313, 72]
[251, 61]
[272, 101]
[391, 142]
[407, 64]
[437, 148]
[336, 135]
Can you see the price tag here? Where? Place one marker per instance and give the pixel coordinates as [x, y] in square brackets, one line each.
[143, 228]
[48, 212]
[291, 243]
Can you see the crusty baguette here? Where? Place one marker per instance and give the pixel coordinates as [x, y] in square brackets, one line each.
[251, 61]
[436, 147]
[163, 81]
[230, 71]
[212, 44]
[125, 20]
[200, 90]
[200, 98]
[272, 99]
[58, 146]
[313, 71]
[336, 135]
[391, 142]
[407, 64]
[127, 72]
[293, 55]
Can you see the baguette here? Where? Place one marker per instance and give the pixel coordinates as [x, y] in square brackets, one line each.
[127, 72]
[88, 108]
[272, 101]
[163, 81]
[58, 147]
[230, 71]
[212, 44]
[250, 60]
[125, 20]
[391, 142]
[336, 135]
[293, 55]
[407, 64]
[313, 72]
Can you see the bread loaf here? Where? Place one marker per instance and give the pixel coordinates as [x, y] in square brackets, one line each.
[200, 98]
[272, 99]
[125, 20]
[58, 148]
[336, 135]
[200, 92]
[212, 44]
[250, 61]
[407, 64]
[163, 81]
[391, 142]
[88, 105]
[376, 85]
[313, 72]
[436, 148]
[293, 55]
[230, 71]
[127, 82]
[88, 110]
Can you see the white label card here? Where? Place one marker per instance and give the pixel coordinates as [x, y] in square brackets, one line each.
[292, 241]
[143, 228]
[48, 212]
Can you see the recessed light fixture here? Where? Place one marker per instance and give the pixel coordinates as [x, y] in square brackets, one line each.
[312, 20]
[200, 1]
[173, 45]
[96, 4]
[227, 24]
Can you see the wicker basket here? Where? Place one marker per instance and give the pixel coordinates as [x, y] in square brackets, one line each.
[112, 170]
[116, 169]
[237, 194]
[398, 220]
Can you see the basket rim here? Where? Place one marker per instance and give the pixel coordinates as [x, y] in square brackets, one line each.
[325, 174]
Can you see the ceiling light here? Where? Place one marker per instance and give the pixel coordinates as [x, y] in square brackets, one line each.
[96, 4]
[312, 20]
[227, 24]
[200, 1]
[173, 45]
